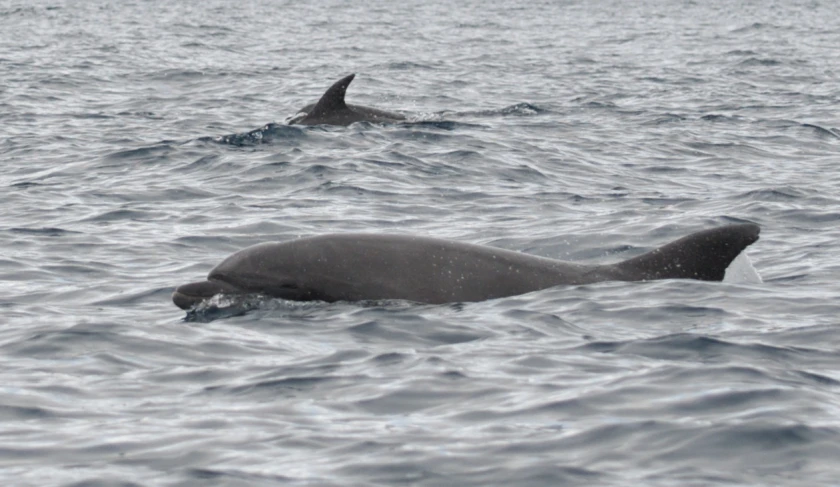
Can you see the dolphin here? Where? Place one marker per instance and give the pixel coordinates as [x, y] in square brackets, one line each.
[332, 110]
[364, 266]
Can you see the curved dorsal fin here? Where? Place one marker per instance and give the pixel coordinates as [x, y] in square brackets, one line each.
[333, 98]
[702, 255]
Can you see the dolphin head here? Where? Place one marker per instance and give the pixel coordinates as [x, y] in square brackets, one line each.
[269, 269]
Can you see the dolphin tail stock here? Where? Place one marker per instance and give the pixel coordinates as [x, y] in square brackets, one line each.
[703, 255]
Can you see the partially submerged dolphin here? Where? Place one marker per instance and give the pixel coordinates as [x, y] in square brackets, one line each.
[362, 266]
[332, 110]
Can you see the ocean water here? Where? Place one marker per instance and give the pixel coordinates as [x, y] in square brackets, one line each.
[142, 142]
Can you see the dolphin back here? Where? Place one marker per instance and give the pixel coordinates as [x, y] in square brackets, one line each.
[703, 255]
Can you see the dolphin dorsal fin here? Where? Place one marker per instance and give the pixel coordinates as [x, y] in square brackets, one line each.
[333, 98]
[702, 255]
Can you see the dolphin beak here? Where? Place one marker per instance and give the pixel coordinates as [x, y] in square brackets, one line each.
[189, 295]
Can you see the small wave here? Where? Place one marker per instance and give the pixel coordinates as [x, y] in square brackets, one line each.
[654, 79]
[691, 347]
[177, 75]
[733, 441]
[741, 52]
[141, 114]
[264, 135]
[817, 378]
[116, 215]
[822, 131]
[273, 387]
[44, 231]
[23, 413]
[523, 109]
[714, 117]
[53, 342]
[759, 62]
[18, 11]
[25, 184]
[333, 188]
[90, 116]
[519, 110]
[203, 162]
[415, 329]
[773, 194]
[598, 104]
[665, 119]
[751, 27]
[439, 124]
[406, 65]
[225, 476]
[138, 297]
[141, 154]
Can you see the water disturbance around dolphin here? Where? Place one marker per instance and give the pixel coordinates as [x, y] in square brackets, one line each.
[361, 266]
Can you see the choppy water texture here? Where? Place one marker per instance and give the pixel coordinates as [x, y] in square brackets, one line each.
[142, 142]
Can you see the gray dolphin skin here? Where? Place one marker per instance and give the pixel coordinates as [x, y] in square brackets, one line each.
[332, 110]
[362, 266]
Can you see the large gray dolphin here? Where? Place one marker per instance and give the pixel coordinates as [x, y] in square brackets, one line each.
[332, 110]
[361, 266]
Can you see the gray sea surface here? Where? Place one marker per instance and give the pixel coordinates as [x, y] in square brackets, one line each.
[141, 142]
